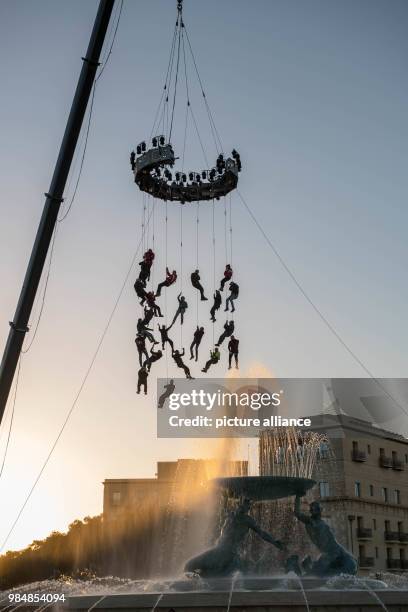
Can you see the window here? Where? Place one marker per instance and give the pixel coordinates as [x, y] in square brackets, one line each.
[355, 446]
[357, 489]
[368, 449]
[397, 496]
[384, 491]
[406, 458]
[400, 527]
[382, 452]
[324, 490]
[374, 524]
[324, 450]
[360, 522]
[376, 552]
[387, 526]
[371, 491]
[116, 498]
[389, 553]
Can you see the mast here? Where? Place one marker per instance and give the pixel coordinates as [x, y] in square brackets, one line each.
[54, 198]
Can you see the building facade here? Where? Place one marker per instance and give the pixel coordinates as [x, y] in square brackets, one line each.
[363, 488]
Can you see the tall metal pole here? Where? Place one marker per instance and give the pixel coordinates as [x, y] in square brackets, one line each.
[54, 198]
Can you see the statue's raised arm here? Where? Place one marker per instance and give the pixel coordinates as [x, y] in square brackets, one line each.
[265, 535]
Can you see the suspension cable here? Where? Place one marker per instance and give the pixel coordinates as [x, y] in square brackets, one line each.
[181, 265]
[197, 250]
[230, 226]
[214, 130]
[213, 244]
[319, 313]
[11, 418]
[164, 91]
[176, 79]
[225, 230]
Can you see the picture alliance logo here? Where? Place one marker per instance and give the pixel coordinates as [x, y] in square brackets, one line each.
[223, 399]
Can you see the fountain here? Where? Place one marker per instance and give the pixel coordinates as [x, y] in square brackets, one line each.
[240, 571]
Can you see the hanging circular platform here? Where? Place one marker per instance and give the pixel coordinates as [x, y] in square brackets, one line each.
[152, 175]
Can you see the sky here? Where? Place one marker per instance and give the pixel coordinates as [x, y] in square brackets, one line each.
[314, 96]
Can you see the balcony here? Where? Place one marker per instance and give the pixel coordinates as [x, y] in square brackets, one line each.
[385, 462]
[365, 562]
[391, 536]
[358, 455]
[403, 536]
[394, 563]
[364, 533]
[397, 465]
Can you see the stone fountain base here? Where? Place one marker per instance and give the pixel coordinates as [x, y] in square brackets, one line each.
[249, 595]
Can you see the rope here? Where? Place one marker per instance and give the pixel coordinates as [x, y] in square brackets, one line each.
[77, 396]
[225, 230]
[319, 313]
[165, 85]
[181, 266]
[213, 243]
[175, 81]
[197, 250]
[165, 295]
[230, 226]
[210, 115]
[11, 419]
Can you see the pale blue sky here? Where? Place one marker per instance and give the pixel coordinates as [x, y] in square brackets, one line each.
[314, 96]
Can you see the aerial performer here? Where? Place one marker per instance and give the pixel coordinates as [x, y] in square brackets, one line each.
[177, 356]
[141, 348]
[165, 337]
[145, 331]
[234, 292]
[148, 316]
[154, 356]
[227, 276]
[151, 302]
[140, 288]
[182, 307]
[171, 278]
[154, 168]
[233, 351]
[169, 389]
[142, 377]
[216, 305]
[229, 327]
[195, 281]
[198, 336]
[214, 359]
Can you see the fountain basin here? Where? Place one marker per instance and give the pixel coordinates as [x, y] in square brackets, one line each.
[264, 488]
[244, 601]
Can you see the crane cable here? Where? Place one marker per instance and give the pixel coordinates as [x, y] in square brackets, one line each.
[319, 313]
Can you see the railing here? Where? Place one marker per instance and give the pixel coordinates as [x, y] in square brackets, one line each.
[394, 563]
[385, 462]
[363, 533]
[358, 455]
[403, 536]
[391, 536]
[397, 465]
[366, 561]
